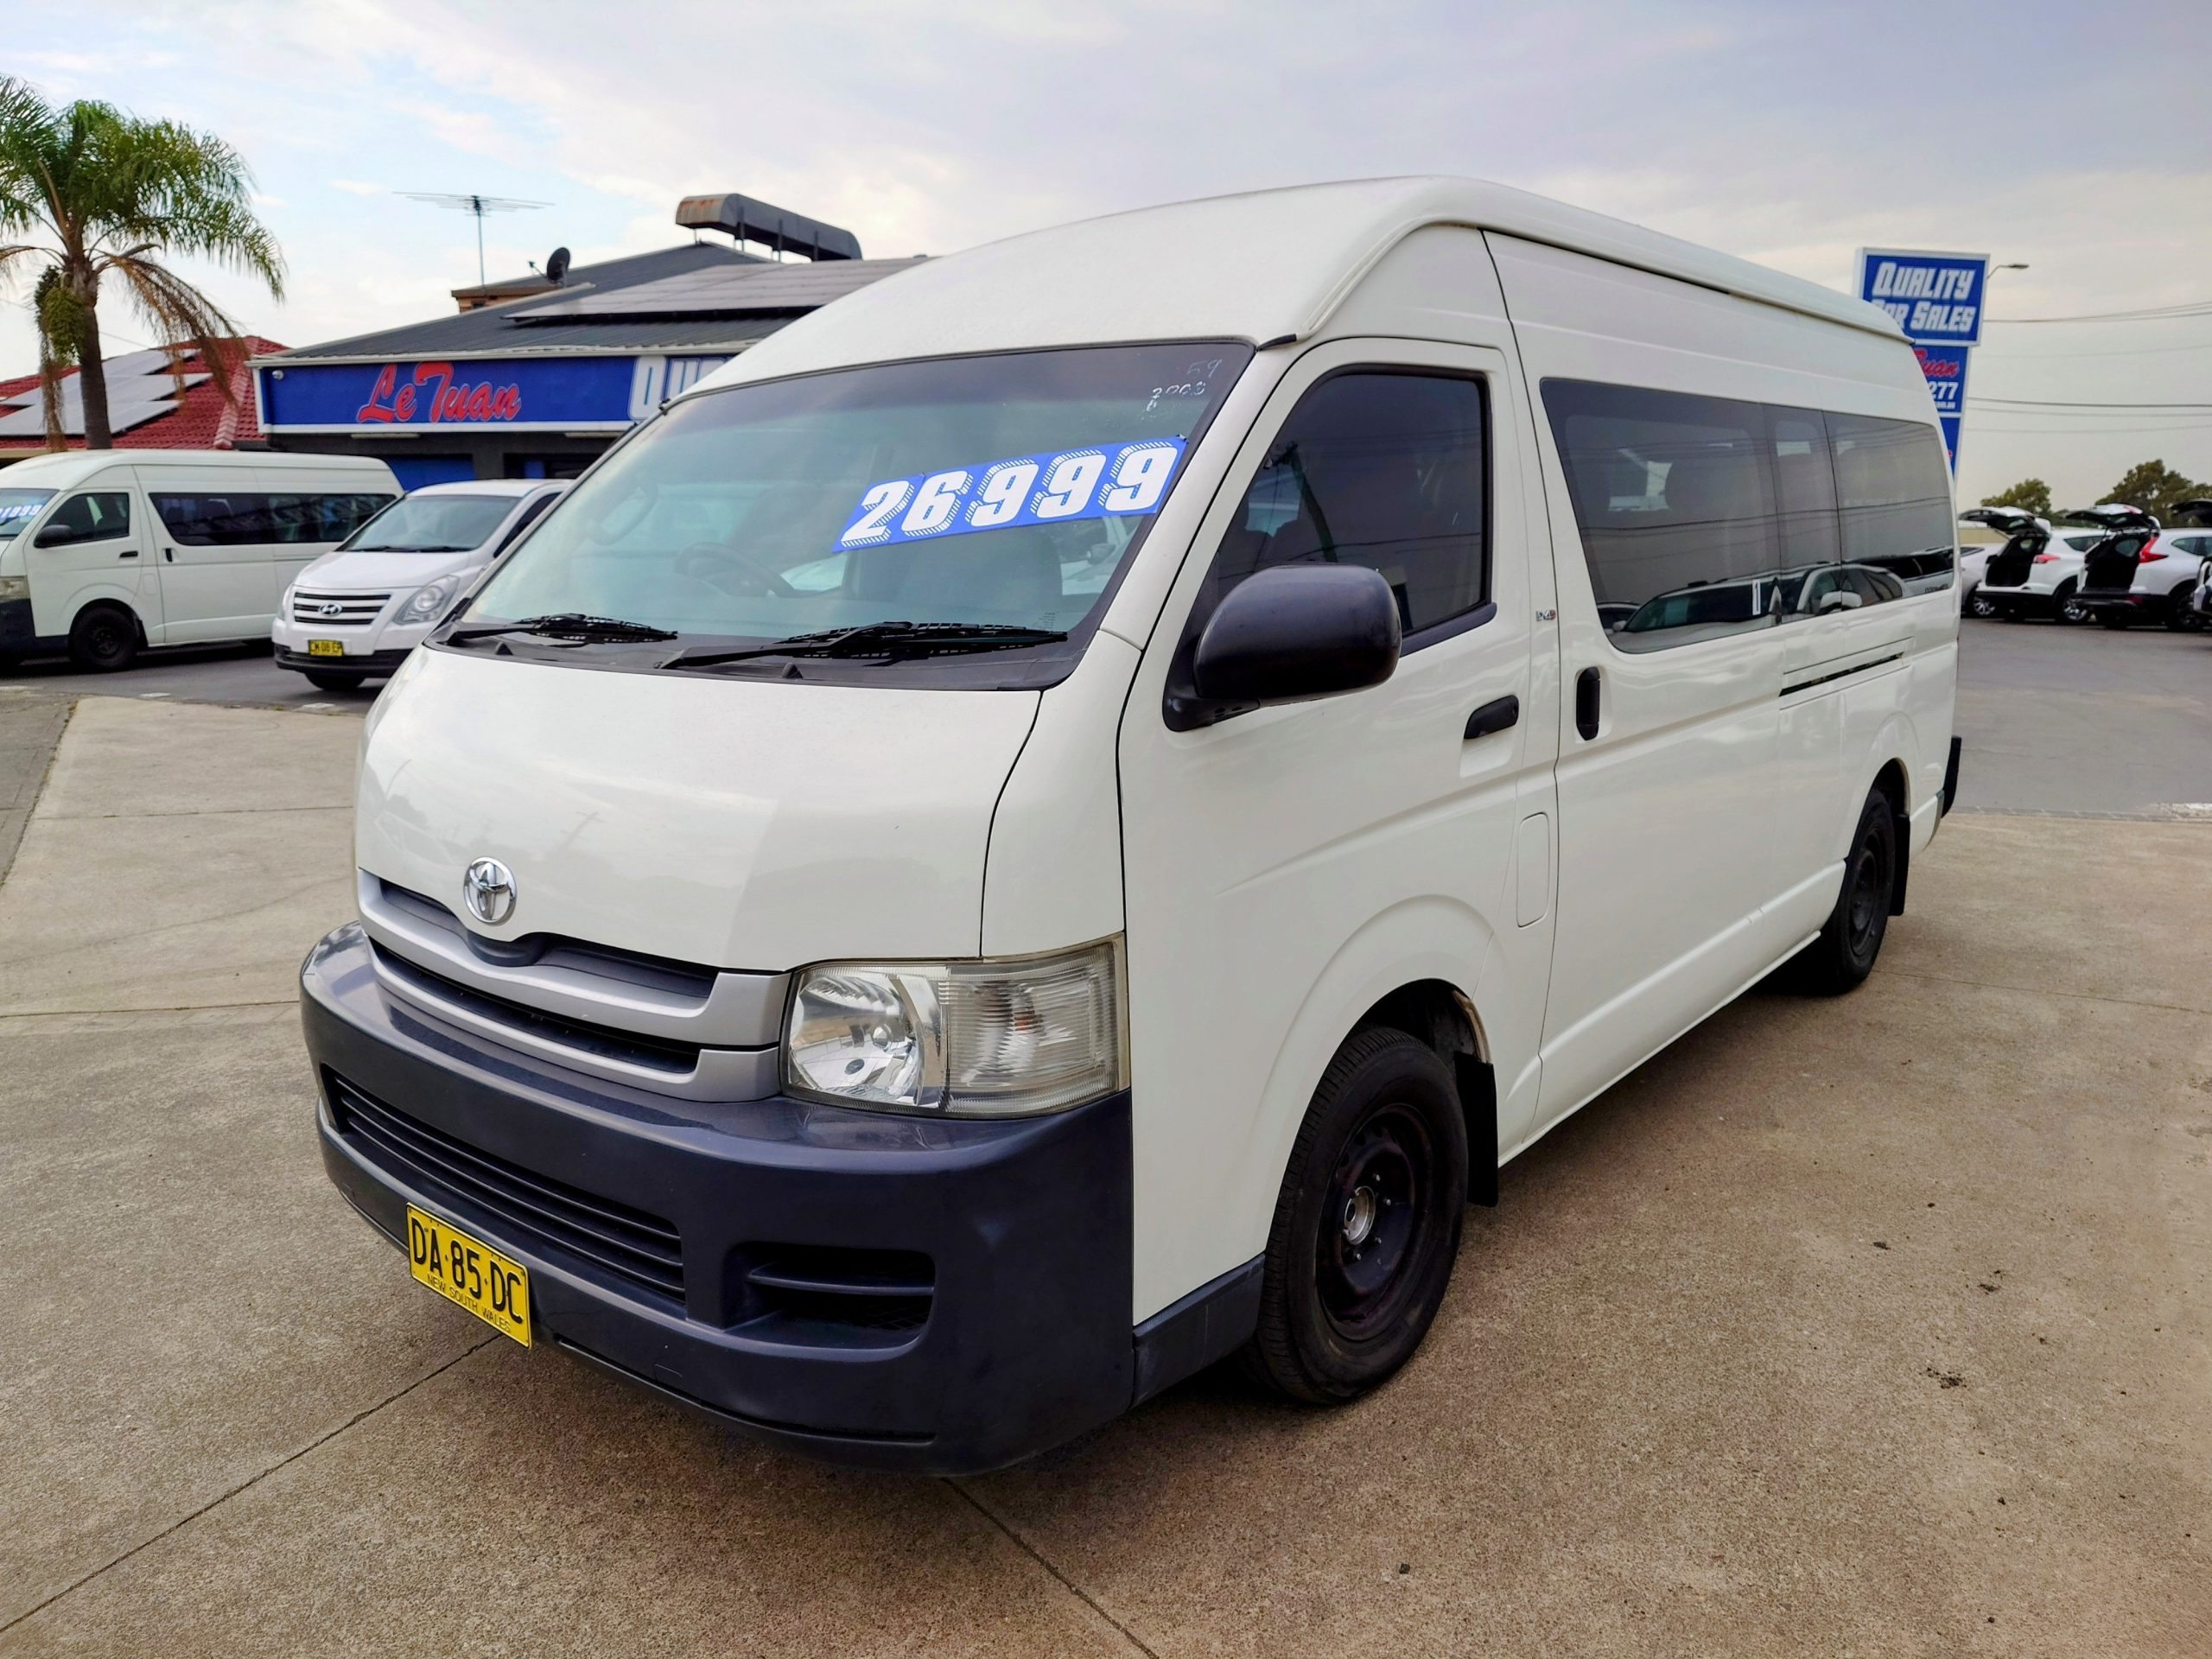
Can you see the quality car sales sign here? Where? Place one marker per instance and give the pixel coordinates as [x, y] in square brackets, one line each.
[1936, 297]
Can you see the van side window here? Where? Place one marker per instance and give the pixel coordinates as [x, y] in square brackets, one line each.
[95, 515]
[250, 518]
[1894, 487]
[1804, 487]
[1674, 496]
[1387, 468]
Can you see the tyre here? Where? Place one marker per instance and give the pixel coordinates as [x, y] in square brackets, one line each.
[1979, 604]
[325, 679]
[2114, 617]
[102, 638]
[1842, 957]
[1368, 1223]
[2071, 609]
[2179, 617]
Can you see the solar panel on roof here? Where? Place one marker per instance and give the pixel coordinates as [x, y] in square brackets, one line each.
[726, 290]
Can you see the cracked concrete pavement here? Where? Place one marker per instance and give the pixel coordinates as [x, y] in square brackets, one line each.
[1876, 1325]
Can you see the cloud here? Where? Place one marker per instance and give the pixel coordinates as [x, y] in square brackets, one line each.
[357, 187]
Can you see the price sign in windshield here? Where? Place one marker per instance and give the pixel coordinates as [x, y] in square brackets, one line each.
[1110, 481]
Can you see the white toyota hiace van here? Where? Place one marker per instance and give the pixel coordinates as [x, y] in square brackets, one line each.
[1059, 818]
[104, 550]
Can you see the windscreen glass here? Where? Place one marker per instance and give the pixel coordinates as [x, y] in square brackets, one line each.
[432, 523]
[18, 508]
[1001, 492]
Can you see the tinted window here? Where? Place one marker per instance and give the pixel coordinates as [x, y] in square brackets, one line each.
[1702, 516]
[1674, 498]
[433, 524]
[1894, 490]
[1379, 468]
[96, 516]
[251, 518]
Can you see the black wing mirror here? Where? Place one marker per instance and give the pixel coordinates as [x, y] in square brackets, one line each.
[56, 535]
[1290, 634]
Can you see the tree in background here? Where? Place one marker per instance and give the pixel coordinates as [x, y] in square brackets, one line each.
[2155, 487]
[107, 194]
[54, 315]
[2029, 495]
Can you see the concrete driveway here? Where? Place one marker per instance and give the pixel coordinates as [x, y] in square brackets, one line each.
[1874, 1326]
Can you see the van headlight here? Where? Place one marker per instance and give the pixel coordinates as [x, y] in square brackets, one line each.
[429, 600]
[15, 587]
[989, 1038]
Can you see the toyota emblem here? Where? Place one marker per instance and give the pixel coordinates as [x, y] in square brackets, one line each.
[489, 889]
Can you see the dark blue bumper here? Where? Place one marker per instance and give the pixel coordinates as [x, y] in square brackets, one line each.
[944, 1297]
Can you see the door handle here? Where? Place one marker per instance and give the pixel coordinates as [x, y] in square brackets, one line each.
[168, 556]
[129, 553]
[1586, 704]
[1495, 715]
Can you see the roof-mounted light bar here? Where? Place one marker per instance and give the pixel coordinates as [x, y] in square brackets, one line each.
[749, 220]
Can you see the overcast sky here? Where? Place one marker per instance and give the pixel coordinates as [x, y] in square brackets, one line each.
[2075, 137]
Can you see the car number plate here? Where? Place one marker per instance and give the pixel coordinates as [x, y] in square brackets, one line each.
[470, 1272]
[325, 647]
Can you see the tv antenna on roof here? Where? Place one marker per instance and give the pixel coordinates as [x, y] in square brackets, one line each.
[476, 207]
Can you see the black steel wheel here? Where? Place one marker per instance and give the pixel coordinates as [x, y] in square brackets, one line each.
[1367, 1223]
[104, 638]
[1842, 957]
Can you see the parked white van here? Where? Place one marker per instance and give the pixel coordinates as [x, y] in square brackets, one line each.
[104, 551]
[360, 608]
[1057, 820]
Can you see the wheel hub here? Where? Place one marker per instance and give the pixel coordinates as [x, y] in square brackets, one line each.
[1372, 1218]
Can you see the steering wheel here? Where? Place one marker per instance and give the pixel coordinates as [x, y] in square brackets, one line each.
[716, 563]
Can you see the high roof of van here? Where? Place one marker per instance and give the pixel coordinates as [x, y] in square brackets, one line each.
[1263, 266]
[61, 470]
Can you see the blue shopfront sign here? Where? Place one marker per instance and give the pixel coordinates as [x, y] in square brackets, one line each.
[527, 394]
[1936, 297]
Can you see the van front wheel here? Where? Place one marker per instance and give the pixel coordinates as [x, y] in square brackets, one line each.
[1842, 957]
[1367, 1225]
[102, 638]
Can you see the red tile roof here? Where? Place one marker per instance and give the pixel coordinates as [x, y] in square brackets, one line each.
[199, 419]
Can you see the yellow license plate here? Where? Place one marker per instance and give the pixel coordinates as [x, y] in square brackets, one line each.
[468, 1271]
[325, 647]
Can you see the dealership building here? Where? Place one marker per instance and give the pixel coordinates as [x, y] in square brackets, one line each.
[534, 377]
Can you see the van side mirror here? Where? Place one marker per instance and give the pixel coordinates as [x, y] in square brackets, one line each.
[56, 535]
[1288, 634]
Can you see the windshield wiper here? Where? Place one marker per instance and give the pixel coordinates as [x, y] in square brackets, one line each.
[888, 639]
[412, 547]
[569, 625]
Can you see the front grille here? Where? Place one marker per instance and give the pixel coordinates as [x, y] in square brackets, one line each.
[627, 1047]
[337, 610]
[609, 1239]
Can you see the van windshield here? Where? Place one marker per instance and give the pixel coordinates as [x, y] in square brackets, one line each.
[1003, 493]
[431, 524]
[18, 508]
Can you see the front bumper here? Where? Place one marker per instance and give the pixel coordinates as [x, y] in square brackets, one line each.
[365, 662]
[1021, 1227]
[17, 633]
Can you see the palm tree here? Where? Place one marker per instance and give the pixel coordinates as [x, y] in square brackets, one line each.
[90, 192]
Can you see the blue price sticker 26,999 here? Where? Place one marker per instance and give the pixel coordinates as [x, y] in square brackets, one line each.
[1108, 482]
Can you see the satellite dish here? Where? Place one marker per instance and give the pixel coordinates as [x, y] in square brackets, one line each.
[556, 267]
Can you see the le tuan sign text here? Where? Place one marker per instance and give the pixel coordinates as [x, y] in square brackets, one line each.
[434, 396]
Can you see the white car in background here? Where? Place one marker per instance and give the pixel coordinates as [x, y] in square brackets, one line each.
[361, 607]
[2035, 572]
[2138, 573]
